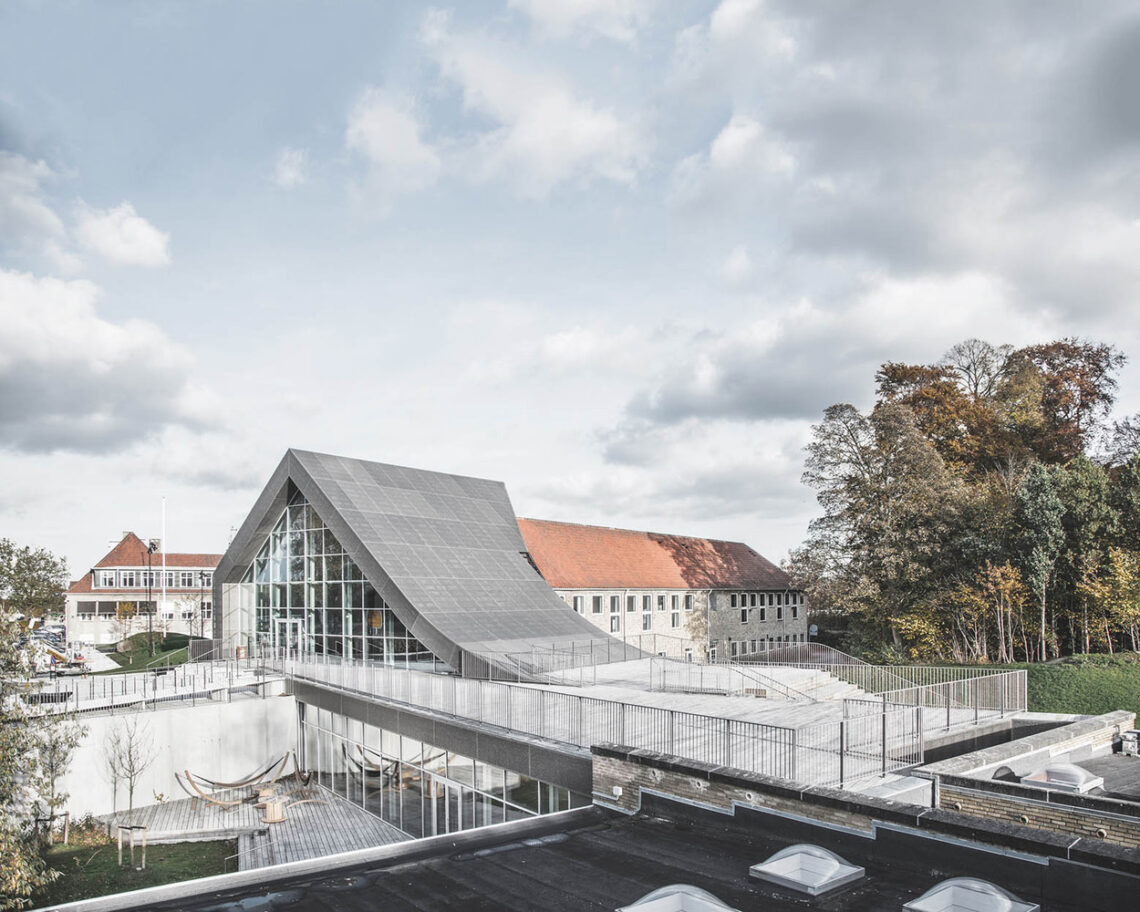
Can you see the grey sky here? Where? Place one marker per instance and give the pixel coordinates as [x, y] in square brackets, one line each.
[619, 255]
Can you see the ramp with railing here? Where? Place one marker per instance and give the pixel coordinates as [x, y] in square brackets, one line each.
[836, 752]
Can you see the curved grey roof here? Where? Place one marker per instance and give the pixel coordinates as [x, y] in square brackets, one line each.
[444, 552]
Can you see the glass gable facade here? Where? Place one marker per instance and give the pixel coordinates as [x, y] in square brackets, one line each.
[310, 598]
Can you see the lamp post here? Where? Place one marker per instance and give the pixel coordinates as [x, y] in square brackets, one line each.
[151, 547]
[201, 602]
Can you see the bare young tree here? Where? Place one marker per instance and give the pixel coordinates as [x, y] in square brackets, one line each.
[129, 751]
[125, 617]
[55, 746]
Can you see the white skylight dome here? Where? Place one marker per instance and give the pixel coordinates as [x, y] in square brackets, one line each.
[678, 898]
[968, 894]
[1064, 776]
[807, 868]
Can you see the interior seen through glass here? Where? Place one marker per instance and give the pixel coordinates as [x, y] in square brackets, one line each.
[310, 598]
[422, 789]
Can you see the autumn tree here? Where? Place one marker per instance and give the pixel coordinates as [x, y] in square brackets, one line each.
[1078, 388]
[889, 511]
[969, 493]
[1115, 593]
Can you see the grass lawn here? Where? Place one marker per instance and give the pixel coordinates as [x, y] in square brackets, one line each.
[1086, 684]
[171, 650]
[92, 869]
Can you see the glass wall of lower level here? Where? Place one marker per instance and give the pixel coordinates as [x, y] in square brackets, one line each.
[422, 789]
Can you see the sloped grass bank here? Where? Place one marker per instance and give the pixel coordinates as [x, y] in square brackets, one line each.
[168, 650]
[1086, 684]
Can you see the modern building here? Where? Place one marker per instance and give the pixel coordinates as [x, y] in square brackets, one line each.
[673, 594]
[113, 600]
[346, 558]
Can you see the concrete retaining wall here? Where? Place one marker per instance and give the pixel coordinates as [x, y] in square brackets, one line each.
[223, 741]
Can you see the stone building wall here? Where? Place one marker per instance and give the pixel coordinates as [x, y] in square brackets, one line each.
[677, 628]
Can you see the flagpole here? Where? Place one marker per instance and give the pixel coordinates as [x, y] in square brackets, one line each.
[164, 557]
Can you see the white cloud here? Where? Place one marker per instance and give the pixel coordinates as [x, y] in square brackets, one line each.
[22, 208]
[695, 477]
[545, 135]
[737, 269]
[28, 224]
[619, 20]
[741, 39]
[383, 128]
[71, 380]
[291, 169]
[799, 358]
[61, 259]
[739, 158]
[122, 236]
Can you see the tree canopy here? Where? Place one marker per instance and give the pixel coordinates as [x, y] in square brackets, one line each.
[983, 508]
[32, 580]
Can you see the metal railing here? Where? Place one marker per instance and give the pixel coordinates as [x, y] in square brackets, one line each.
[946, 695]
[813, 654]
[582, 721]
[955, 699]
[669, 675]
[842, 752]
[131, 692]
[572, 663]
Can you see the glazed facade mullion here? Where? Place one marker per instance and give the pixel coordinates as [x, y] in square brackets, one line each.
[301, 574]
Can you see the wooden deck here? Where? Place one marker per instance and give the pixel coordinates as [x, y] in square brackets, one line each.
[312, 830]
[324, 826]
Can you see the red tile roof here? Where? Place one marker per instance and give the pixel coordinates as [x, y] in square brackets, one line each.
[572, 556]
[131, 552]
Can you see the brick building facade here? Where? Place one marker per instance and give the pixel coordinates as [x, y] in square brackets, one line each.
[112, 601]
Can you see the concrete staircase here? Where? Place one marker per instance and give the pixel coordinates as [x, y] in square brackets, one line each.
[813, 683]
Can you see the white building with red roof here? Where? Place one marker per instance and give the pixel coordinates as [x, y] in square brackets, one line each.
[113, 600]
[672, 594]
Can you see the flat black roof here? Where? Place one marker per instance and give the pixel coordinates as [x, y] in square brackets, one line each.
[1121, 776]
[610, 861]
